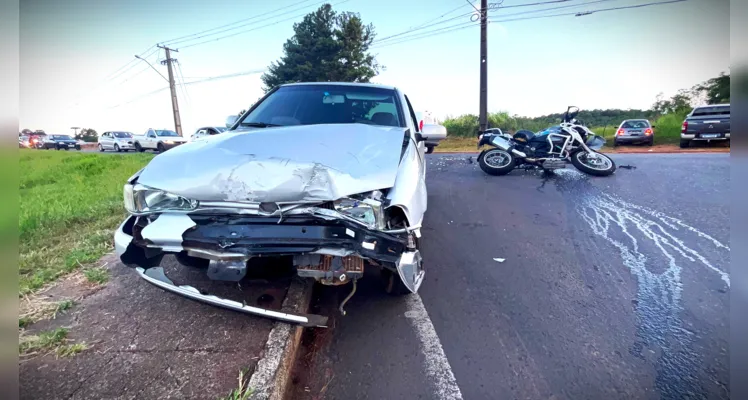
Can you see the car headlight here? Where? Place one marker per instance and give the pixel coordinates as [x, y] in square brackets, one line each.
[367, 211]
[143, 199]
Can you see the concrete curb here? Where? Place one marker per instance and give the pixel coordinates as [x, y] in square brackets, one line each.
[271, 377]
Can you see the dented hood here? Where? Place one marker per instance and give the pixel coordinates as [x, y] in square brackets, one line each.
[303, 163]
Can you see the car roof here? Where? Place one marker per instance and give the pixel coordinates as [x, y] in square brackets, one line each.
[376, 85]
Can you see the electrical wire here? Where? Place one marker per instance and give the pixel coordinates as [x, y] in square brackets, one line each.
[243, 25]
[183, 87]
[435, 32]
[233, 23]
[584, 13]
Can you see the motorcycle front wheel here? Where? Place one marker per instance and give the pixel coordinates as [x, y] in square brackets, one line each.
[599, 165]
[496, 161]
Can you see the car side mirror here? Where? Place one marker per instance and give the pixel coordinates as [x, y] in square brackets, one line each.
[432, 132]
[231, 120]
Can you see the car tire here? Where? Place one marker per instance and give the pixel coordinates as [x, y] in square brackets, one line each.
[139, 148]
[429, 149]
[161, 148]
[684, 143]
[651, 142]
[117, 149]
[101, 148]
[57, 147]
[78, 148]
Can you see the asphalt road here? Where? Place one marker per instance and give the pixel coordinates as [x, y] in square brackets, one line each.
[611, 288]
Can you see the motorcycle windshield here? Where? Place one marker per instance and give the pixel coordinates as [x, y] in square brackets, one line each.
[553, 129]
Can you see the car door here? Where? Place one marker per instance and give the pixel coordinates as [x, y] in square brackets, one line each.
[151, 139]
[107, 141]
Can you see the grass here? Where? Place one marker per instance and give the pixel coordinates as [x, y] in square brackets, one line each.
[69, 204]
[44, 310]
[49, 341]
[98, 275]
[243, 391]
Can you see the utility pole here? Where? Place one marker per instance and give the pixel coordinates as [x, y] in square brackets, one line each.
[173, 88]
[483, 119]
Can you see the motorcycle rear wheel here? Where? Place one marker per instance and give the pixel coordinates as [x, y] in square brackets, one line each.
[604, 167]
[496, 161]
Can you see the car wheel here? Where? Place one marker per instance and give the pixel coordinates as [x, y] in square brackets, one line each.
[651, 142]
[101, 148]
[57, 147]
[116, 148]
[429, 149]
[138, 148]
[78, 148]
[684, 143]
[161, 148]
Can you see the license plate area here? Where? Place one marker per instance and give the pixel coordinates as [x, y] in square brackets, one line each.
[709, 135]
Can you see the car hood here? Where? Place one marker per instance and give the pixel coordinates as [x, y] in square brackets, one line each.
[307, 163]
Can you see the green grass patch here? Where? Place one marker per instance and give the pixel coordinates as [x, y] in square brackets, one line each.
[243, 391]
[96, 275]
[69, 205]
[37, 310]
[49, 341]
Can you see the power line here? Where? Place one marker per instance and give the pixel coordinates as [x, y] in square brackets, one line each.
[172, 41]
[441, 16]
[242, 25]
[584, 13]
[530, 4]
[435, 32]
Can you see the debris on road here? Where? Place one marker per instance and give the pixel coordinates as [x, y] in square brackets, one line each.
[501, 260]
[627, 167]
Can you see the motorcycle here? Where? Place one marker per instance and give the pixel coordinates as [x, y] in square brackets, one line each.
[550, 149]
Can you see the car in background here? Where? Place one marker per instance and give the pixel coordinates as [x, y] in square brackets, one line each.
[207, 131]
[158, 139]
[116, 141]
[634, 131]
[24, 142]
[59, 142]
[36, 140]
[706, 123]
[426, 118]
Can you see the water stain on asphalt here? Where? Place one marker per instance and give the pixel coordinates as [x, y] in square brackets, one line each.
[653, 248]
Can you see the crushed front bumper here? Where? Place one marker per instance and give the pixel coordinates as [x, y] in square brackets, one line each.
[232, 240]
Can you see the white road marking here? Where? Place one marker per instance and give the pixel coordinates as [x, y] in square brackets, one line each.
[437, 365]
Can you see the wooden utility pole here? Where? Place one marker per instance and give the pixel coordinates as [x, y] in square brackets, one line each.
[483, 119]
[173, 88]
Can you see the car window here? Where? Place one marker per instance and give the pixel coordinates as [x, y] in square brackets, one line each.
[166, 133]
[326, 104]
[635, 124]
[122, 135]
[412, 114]
[715, 110]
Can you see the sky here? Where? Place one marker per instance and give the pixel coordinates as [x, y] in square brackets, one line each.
[72, 54]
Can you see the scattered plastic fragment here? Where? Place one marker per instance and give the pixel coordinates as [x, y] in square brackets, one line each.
[499, 259]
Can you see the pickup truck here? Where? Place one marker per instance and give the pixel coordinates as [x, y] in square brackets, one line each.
[706, 123]
[157, 139]
[426, 118]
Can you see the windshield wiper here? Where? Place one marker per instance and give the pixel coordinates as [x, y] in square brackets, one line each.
[258, 124]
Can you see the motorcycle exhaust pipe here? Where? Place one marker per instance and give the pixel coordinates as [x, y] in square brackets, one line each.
[519, 153]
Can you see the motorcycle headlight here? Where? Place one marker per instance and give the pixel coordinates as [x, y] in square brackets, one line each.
[367, 211]
[143, 199]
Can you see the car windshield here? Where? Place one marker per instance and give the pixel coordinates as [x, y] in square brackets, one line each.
[219, 129]
[166, 133]
[122, 135]
[61, 137]
[326, 104]
[635, 124]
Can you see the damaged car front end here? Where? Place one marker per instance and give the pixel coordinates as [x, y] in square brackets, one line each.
[341, 199]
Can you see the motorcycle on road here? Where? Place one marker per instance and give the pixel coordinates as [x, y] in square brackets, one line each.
[550, 149]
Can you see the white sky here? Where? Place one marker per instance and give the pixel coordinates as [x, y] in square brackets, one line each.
[617, 59]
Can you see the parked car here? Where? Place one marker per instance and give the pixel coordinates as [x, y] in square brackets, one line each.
[427, 118]
[706, 123]
[634, 131]
[59, 142]
[117, 141]
[37, 140]
[207, 131]
[158, 139]
[24, 142]
[323, 178]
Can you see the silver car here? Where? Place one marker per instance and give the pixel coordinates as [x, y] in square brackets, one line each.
[326, 179]
[116, 141]
[207, 131]
[633, 131]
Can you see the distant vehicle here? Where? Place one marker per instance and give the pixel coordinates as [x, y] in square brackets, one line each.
[207, 131]
[117, 141]
[158, 139]
[426, 118]
[36, 140]
[24, 142]
[706, 123]
[633, 131]
[59, 142]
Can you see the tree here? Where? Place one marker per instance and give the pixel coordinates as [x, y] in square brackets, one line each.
[87, 135]
[717, 89]
[325, 47]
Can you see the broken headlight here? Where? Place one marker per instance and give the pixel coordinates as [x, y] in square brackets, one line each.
[367, 211]
[143, 199]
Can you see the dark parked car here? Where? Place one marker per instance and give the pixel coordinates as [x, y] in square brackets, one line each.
[59, 142]
[706, 123]
[634, 131]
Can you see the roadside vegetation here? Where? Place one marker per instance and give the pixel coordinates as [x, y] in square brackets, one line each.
[53, 341]
[666, 114]
[69, 205]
